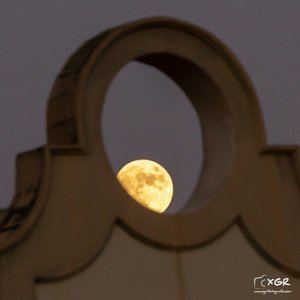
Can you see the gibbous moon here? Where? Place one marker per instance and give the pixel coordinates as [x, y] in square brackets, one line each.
[148, 183]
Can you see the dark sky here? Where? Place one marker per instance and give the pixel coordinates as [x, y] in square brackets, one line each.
[37, 37]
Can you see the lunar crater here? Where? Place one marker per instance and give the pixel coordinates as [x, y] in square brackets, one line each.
[148, 183]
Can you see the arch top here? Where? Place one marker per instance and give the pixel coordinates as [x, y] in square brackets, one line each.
[175, 47]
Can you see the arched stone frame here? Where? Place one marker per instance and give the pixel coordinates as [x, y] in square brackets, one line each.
[247, 182]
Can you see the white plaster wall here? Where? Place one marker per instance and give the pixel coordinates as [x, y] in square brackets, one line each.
[128, 269]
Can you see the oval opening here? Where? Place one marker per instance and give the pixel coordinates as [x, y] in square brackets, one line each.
[146, 116]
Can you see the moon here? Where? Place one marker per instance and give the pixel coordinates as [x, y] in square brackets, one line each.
[148, 183]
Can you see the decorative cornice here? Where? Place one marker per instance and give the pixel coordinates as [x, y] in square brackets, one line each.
[67, 193]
